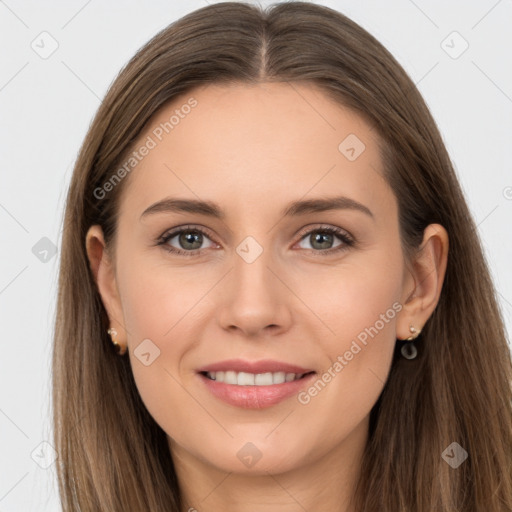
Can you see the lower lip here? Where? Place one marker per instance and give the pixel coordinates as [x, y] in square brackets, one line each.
[255, 397]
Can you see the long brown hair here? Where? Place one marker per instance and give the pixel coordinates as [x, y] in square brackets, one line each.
[112, 454]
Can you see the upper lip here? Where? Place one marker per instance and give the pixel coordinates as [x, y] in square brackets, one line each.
[263, 366]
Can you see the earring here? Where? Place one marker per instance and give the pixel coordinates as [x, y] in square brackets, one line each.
[409, 350]
[119, 349]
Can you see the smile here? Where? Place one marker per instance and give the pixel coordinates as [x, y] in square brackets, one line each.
[252, 379]
[254, 385]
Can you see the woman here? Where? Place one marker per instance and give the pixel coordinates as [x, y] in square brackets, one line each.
[330, 340]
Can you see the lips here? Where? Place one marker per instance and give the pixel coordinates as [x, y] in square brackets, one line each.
[263, 366]
[260, 394]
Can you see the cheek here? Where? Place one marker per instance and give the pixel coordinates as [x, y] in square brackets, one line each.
[157, 300]
[357, 297]
[160, 308]
[360, 310]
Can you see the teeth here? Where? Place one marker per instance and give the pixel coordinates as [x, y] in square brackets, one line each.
[245, 379]
[251, 379]
[264, 379]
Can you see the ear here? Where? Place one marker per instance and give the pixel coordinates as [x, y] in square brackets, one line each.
[104, 274]
[423, 281]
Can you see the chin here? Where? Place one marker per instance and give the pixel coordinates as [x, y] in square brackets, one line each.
[257, 457]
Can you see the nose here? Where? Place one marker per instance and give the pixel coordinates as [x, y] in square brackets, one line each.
[253, 299]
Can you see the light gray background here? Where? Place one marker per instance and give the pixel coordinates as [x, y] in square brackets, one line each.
[46, 106]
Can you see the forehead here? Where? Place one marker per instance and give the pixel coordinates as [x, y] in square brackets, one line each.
[251, 143]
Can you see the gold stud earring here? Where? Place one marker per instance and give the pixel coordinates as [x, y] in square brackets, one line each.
[409, 350]
[414, 333]
[121, 350]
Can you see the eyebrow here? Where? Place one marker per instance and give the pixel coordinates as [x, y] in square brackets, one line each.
[296, 208]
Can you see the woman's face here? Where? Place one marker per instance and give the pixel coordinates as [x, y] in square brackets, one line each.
[257, 277]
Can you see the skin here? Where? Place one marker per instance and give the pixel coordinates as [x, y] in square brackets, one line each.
[252, 150]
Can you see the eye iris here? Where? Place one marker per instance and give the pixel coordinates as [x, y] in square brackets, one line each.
[190, 237]
[321, 237]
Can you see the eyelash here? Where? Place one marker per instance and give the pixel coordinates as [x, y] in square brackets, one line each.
[343, 236]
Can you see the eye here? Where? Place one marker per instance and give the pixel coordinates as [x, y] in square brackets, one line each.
[321, 239]
[189, 240]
